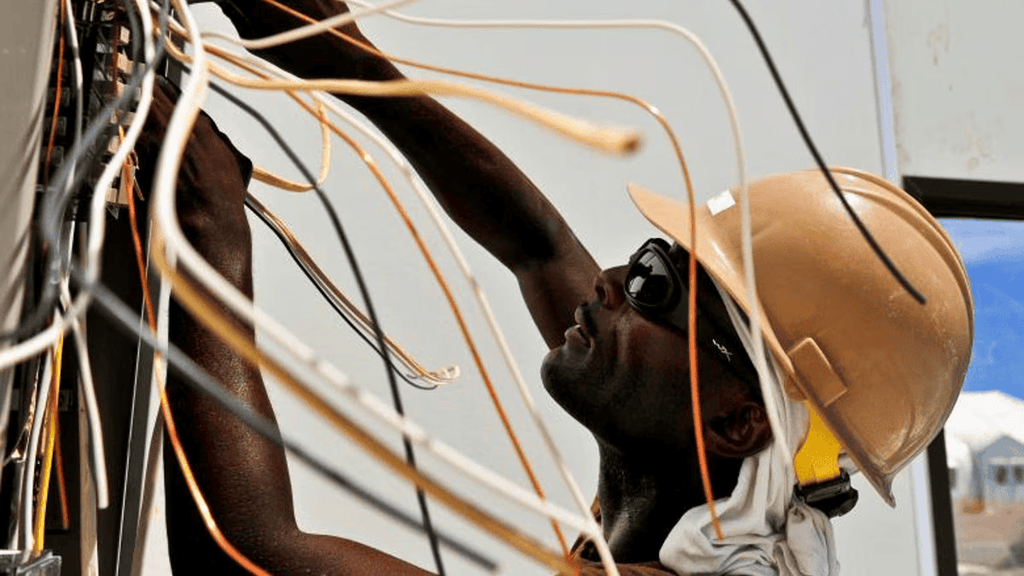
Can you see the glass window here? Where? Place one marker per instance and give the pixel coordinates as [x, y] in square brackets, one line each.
[985, 515]
[1000, 475]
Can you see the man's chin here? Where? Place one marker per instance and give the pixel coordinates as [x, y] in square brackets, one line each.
[561, 379]
[549, 365]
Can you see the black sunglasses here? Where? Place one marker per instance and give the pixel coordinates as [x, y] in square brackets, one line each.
[654, 287]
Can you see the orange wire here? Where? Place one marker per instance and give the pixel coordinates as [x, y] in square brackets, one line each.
[165, 407]
[62, 489]
[691, 340]
[56, 99]
[692, 336]
[371, 164]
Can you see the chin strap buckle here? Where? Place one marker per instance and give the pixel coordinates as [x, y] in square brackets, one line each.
[833, 497]
[820, 481]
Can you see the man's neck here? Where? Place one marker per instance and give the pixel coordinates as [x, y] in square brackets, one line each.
[642, 499]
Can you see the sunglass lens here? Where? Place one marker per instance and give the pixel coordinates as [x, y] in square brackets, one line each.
[648, 281]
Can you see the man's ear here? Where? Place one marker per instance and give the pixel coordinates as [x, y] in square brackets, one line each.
[743, 431]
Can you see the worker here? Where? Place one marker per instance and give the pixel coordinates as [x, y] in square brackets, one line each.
[858, 375]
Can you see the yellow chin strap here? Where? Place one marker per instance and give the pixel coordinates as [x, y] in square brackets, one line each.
[818, 459]
[821, 483]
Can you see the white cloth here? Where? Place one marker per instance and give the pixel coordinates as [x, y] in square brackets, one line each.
[767, 532]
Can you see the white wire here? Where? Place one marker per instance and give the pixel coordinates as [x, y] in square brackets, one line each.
[166, 221]
[28, 479]
[72, 32]
[147, 510]
[307, 30]
[92, 411]
[442, 377]
[760, 362]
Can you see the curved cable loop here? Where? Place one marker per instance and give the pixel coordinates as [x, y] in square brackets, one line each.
[271, 179]
[340, 302]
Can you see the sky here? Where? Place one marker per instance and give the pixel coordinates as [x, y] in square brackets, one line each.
[994, 252]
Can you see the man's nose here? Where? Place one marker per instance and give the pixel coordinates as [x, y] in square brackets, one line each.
[609, 287]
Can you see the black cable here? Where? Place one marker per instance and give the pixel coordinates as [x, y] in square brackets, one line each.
[323, 292]
[821, 162]
[60, 190]
[339, 230]
[196, 377]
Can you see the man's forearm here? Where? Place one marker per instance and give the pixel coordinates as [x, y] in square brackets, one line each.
[486, 194]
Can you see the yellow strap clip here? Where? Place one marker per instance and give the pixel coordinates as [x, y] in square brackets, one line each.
[818, 458]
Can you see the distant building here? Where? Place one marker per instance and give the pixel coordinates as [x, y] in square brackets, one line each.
[985, 449]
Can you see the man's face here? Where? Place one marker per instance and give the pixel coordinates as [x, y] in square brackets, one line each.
[624, 375]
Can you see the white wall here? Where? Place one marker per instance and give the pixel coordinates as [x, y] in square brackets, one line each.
[957, 88]
[823, 51]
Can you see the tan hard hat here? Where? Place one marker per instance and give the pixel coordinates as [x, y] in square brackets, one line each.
[881, 369]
